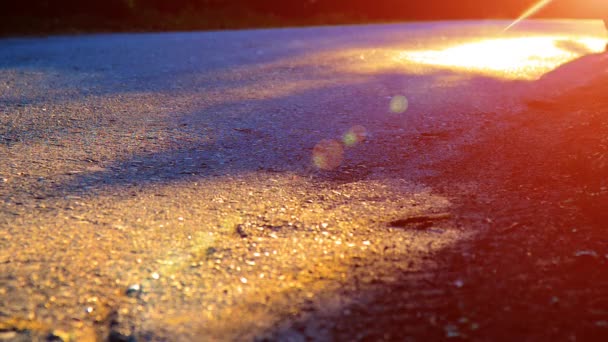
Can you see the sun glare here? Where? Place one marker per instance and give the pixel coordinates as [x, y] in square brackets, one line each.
[512, 58]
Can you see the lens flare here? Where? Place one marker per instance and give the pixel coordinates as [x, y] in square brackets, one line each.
[399, 104]
[328, 154]
[355, 135]
[528, 13]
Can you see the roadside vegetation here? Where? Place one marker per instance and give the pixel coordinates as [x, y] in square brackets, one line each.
[77, 16]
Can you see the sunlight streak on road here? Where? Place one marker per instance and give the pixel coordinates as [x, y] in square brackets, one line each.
[525, 58]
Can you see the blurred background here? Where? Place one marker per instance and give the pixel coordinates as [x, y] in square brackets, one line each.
[76, 16]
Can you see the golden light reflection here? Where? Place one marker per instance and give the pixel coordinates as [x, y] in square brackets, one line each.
[524, 58]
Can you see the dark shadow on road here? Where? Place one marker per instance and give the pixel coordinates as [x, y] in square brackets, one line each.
[535, 269]
[279, 135]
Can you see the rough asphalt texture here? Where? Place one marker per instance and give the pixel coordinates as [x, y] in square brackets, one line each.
[264, 185]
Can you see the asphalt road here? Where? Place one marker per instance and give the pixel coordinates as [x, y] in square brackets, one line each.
[219, 185]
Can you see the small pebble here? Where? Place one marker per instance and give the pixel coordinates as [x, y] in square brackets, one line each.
[451, 331]
[155, 276]
[240, 230]
[133, 290]
[585, 253]
[59, 335]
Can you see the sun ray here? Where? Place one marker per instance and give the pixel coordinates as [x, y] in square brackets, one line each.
[528, 13]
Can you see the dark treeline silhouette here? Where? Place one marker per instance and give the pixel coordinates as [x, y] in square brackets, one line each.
[86, 15]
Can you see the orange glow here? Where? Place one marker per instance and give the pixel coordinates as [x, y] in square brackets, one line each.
[525, 58]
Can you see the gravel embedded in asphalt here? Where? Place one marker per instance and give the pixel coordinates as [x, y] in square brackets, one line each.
[167, 186]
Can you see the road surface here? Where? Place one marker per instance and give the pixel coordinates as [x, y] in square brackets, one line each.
[284, 184]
